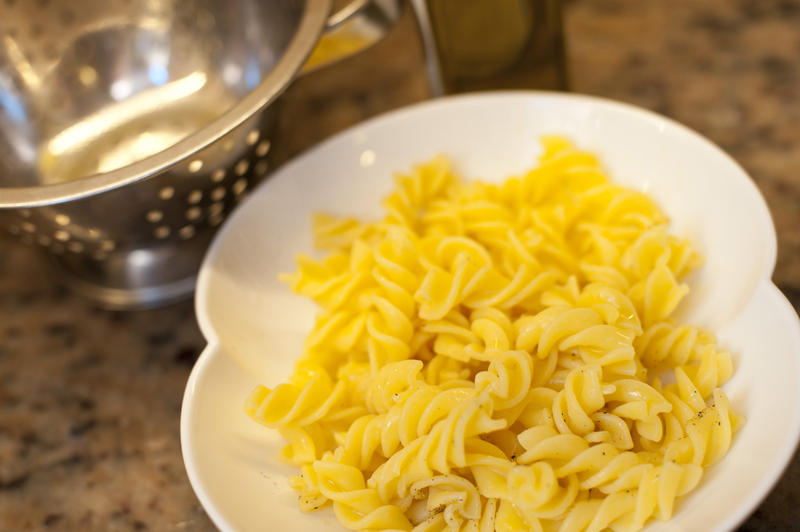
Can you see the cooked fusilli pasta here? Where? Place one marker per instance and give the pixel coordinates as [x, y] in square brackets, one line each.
[493, 357]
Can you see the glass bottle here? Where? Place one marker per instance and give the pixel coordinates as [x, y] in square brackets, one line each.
[493, 44]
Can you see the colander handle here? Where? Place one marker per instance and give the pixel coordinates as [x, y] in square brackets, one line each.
[352, 29]
[344, 14]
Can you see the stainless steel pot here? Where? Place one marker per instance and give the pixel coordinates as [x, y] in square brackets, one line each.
[129, 129]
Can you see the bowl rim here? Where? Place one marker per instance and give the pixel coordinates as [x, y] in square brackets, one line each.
[312, 23]
[203, 273]
[766, 287]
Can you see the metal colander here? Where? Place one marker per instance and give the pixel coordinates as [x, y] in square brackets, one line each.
[129, 129]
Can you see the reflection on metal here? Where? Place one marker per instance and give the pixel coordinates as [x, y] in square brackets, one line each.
[130, 129]
[109, 118]
[21, 65]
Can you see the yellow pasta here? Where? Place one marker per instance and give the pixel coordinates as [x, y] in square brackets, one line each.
[501, 357]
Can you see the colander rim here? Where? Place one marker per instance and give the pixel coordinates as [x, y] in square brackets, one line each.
[312, 23]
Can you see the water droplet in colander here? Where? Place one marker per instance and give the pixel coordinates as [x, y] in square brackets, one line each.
[107, 245]
[28, 227]
[154, 216]
[232, 74]
[161, 232]
[62, 219]
[216, 208]
[61, 235]
[87, 75]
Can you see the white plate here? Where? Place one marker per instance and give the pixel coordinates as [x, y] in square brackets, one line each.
[255, 326]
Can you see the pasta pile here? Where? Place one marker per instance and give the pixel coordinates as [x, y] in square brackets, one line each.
[496, 357]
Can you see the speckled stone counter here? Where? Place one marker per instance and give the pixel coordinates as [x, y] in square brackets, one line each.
[90, 400]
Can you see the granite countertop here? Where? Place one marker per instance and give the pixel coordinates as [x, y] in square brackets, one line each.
[90, 399]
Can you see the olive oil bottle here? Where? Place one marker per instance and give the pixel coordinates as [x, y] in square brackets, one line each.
[493, 44]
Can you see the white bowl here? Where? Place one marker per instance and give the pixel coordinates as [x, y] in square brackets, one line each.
[255, 327]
